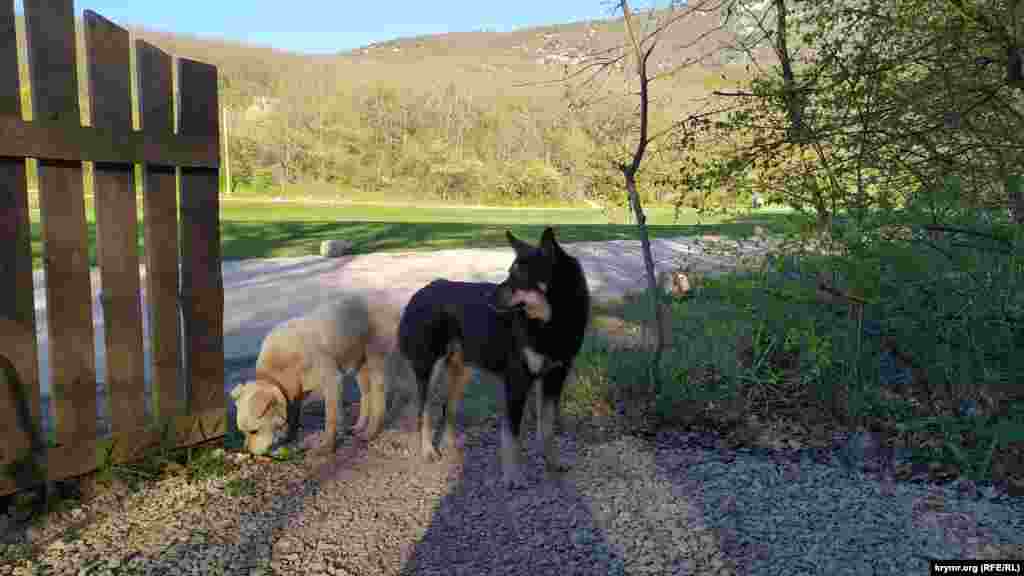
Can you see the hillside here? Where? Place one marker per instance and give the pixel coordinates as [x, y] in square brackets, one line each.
[468, 113]
[497, 59]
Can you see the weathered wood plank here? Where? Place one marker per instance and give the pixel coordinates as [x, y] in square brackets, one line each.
[17, 309]
[51, 49]
[86, 455]
[156, 106]
[18, 346]
[68, 300]
[76, 143]
[107, 48]
[10, 102]
[160, 198]
[16, 298]
[108, 58]
[202, 288]
[50, 30]
[199, 114]
[202, 284]
[160, 226]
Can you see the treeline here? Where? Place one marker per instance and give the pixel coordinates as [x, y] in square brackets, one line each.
[469, 124]
[447, 142]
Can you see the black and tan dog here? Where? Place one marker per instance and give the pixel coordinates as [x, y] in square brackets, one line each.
[525, 331]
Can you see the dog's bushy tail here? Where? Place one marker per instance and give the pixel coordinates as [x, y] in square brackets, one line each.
[351, 315]
[400, 382]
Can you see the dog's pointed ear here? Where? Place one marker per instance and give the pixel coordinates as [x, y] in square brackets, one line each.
[522, 248]
[547, 242]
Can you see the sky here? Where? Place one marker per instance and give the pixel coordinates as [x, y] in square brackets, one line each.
[327, 26]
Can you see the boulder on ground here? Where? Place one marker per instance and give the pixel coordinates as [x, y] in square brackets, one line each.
[335, 248]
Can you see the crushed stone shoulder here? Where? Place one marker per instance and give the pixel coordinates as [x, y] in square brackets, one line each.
[627, 505]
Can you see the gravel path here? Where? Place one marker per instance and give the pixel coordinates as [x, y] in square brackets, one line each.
[671, 504]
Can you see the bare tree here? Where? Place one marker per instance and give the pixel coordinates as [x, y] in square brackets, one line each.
[634, 58]
[642, 55]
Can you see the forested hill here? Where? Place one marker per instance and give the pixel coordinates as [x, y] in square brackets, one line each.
[460, 115]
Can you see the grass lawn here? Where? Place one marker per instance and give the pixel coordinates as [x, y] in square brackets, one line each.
[260, 229]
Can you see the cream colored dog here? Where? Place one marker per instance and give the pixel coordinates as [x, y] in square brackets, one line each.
[310, 353]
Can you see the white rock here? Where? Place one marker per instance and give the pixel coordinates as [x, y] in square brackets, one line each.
[335, 248]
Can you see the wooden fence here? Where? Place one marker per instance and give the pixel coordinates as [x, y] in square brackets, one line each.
[189, 158]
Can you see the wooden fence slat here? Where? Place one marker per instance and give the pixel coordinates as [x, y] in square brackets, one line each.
[18, 346]
[16, 303]
[50, 28]
[107, 48]
[17, 308]
[156, 104]
[161, 231]
[108, 55]
[202, 284]
[51, 48]
[161, 238]
[10, 101]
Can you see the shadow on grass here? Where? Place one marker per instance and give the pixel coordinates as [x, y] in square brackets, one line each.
[275, 239]
[244, 238]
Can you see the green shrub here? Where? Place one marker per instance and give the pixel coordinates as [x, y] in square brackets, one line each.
[456, 179]
[531, 180]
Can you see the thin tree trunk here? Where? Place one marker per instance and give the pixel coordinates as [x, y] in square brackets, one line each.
[629, 172]
[652, 282]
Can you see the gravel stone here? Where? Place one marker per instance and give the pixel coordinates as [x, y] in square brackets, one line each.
[672, 504]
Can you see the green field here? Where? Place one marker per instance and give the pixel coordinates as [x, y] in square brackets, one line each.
[261, 229]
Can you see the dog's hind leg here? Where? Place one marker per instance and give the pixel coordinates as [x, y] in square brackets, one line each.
[458, 378]
[365, 400]
[538, 387]
[426, 424]
[373, 379]
[517, 388]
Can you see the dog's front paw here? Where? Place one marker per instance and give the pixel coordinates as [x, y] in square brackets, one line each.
[451, 440]
[371, 430]
[552, 463]
[324, 448]
[358, 428]
[554, 468]
[429, 453]
[513, 480]
[512, 477]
